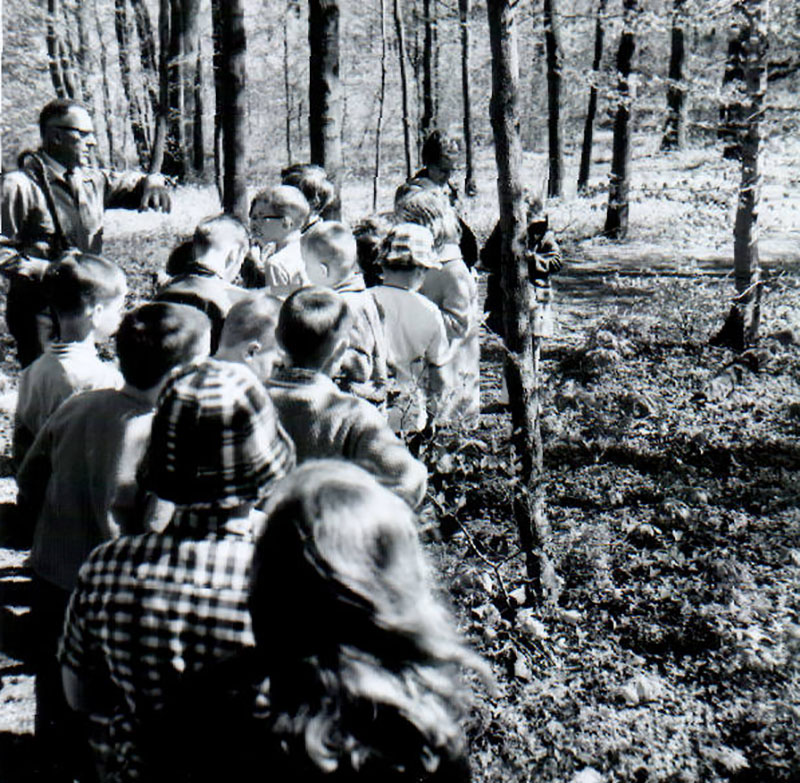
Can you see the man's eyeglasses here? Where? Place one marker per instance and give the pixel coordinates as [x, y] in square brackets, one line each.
[266, 217]
[84, 134]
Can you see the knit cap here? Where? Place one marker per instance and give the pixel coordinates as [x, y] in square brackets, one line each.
[215, 440]
[408, 245]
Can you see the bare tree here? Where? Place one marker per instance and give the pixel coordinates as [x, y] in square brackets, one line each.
[617, 212]
[60, 69]
[591, 111]
[324, 88]
[520, 365]
[741, 326]
[231, 105]
[675, 127]
[428, 119]
[469, 176]
[107, 113]
[381, 103]
[148, 65]
[287, 92]
[555, 155]
[401, 54]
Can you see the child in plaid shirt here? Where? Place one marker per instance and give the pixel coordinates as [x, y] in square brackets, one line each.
[329, 252]
[87, 294]
[323, 421]
[151, 612]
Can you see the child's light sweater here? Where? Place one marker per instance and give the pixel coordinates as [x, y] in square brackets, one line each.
[285, 270]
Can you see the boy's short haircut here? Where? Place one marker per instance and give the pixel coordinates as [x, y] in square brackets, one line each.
[287, 201]
[78, 281]
[252, 319]
[308, 323]
[370, 233]
[331, 241]
[219, 231]
[314, 184]
[56, 109]
[430, 209]
[157, 337]
[440, 149]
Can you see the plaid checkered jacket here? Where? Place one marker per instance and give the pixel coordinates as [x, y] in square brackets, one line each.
[150, 610]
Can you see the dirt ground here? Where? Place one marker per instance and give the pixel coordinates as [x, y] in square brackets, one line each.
[672, 481]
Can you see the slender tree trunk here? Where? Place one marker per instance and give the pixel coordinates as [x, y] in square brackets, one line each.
[523, 385]
[231, 100]
[198, 140]
[324, 89]
[741, 327]
[555, 155]
[82, 48]
[732, 112]
[428, 120]
[162, 119]
[122, 30]
[401, 54]
[66, 51]
[469, 177]
[381, 103]
[63, 82]
[675, 127]
[591, 111]
[149, 67]
[287, 89]
[107, 113]
[617, 213]
[216, 64]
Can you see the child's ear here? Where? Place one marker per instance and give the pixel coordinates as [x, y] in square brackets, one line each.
[253, 349]
[95, 311]
[336, 355]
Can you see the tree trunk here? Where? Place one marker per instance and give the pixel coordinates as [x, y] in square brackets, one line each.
[555, 154]
[732, 112]
[469, 176]
[61, 84]
[149, 67]
[428, 119]
[520, 365]
[231, 103]
[675, 128]
[198, 141]
[324, 89]
[162, 141]
[591, 111]
[617, 213]
[107, 113]
[401, 54]
[73, 82]
[741, 326]
[82, 49]
[381, 103]
[121, 28]
[287, 89]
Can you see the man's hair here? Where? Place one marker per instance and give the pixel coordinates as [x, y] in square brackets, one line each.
[219, 231]
[287, 201]
[439, 148]
[308, 324]
[56, 109]
[429, 208]
[157, 337]
[80, 280]
[332, 243]
[254, 318]
[314, 184]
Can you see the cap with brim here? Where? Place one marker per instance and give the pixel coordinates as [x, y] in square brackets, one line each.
[407, 246]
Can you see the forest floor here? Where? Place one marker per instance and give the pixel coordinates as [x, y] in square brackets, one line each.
[672, 475]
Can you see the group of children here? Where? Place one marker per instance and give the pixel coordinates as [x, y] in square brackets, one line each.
[260, 352]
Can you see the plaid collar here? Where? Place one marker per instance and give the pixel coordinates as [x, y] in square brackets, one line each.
[194, 523]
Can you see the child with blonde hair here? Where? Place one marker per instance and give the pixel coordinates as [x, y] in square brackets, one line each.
[277, 217]
[329, 251]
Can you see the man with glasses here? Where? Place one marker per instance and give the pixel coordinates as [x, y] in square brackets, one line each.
[54, 202]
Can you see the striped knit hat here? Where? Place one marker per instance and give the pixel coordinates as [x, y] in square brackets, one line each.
[408, 245]
[215, 440]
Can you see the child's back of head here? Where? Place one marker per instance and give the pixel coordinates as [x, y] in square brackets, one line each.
[313, 327]
[282, 203]
[429, 208]
[248, 335]
[219, 245]
[330, 253]
[79, 281]
[314, 184]
[157, 337]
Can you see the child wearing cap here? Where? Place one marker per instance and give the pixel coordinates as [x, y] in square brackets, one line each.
[86, 294]
[324, 421]
[151, 612]
[453, 289]
[329, 251]
[84, 460]
[417, 345]
[277, 217]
